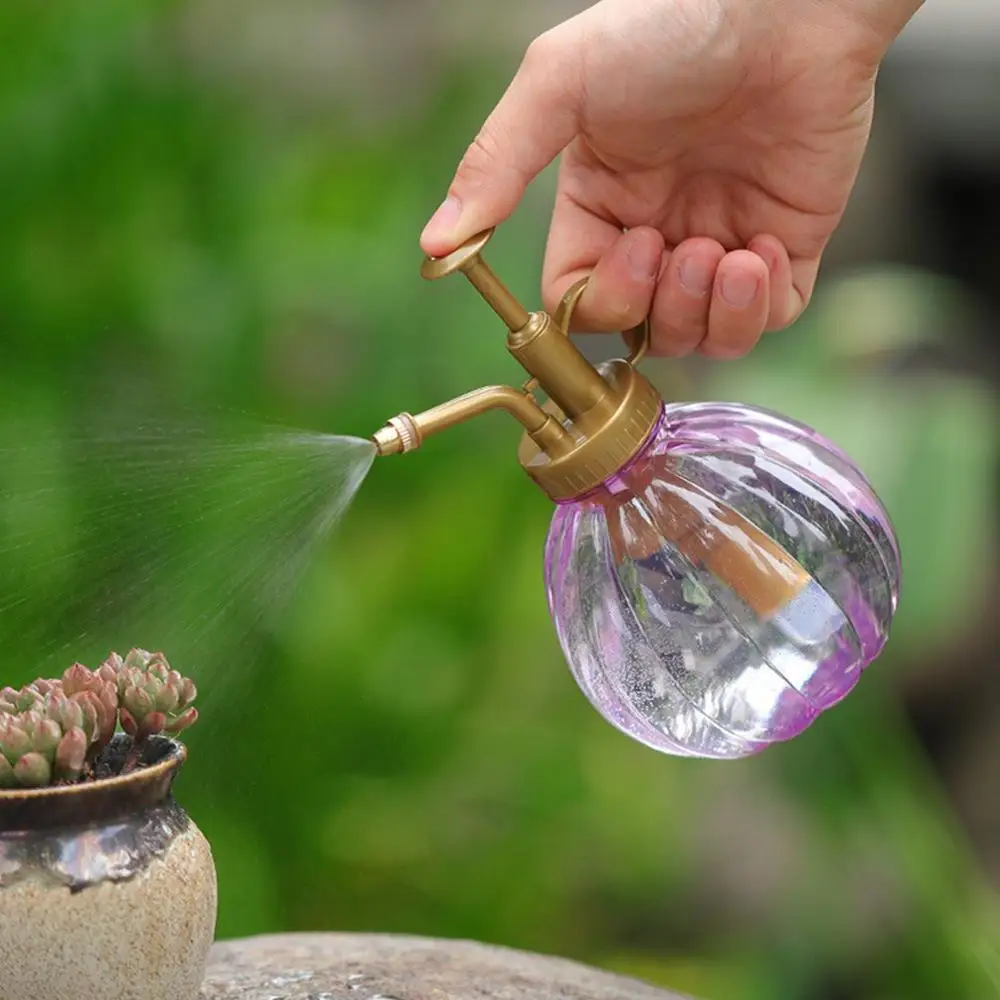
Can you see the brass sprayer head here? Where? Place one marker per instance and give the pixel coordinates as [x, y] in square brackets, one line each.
[593, 421]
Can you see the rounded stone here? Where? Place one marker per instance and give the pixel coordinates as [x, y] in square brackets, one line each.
[391, 967]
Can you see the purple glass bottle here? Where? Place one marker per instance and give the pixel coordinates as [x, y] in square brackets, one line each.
[727, 586]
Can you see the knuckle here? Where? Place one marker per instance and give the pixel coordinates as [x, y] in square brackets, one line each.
[669, 342]
[673, 343]
[609, 317]
[791, 312]
[550, 64]
[540, 52]
[727, 341]
[481, 152]
[487, 147]
[490, 147]
[481, 158]
[679, 330]
[617, 311]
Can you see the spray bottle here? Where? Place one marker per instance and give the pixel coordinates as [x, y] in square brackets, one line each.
[718, 575]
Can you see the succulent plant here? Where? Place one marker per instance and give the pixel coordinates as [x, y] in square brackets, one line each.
[45, 743]
[153, 697]
[13, 702]
[98, 691]
[54, 730]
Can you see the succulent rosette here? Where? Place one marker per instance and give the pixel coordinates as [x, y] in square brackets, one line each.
[52, 731]
[46, 743]
[153, 697]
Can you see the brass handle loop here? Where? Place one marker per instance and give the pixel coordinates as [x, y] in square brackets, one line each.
[638, 339]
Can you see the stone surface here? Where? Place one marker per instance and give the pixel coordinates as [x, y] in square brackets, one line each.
[388, 967]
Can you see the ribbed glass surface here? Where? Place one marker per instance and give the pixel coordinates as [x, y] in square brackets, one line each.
[729, 586]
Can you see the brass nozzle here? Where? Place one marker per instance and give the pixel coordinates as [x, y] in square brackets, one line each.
[399, 435]
[406, 432]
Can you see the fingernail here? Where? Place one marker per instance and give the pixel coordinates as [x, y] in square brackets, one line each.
[443, 222]
[696, 276]
[739, 290]
[643, 261]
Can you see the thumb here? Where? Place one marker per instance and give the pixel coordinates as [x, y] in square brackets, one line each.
[535, 120]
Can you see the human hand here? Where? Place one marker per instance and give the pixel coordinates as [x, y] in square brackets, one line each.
[709, 150]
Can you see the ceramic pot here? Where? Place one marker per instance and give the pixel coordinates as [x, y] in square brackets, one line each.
[107, 888]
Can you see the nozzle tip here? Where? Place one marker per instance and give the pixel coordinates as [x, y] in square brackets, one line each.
[387, 441]
[399, 435]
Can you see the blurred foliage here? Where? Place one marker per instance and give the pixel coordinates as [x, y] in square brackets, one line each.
[176, 243]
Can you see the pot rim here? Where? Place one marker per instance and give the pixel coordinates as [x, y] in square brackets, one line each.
[100, 799]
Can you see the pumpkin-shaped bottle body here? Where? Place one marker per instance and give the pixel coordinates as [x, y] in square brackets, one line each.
[725, 588]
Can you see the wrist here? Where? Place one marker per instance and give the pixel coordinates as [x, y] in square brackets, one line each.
[858, 31]
[875, 24]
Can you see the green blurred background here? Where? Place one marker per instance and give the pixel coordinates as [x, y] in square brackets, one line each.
[210, 213]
